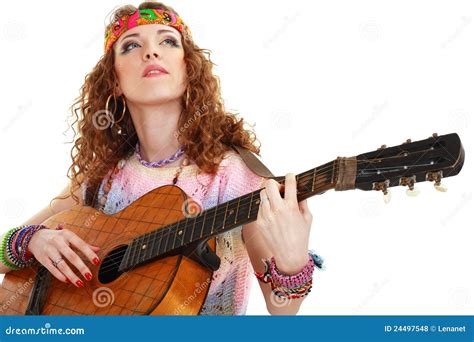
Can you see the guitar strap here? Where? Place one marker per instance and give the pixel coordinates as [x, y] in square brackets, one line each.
[253, 163]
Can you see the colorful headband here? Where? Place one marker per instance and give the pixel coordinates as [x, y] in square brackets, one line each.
[143, 17]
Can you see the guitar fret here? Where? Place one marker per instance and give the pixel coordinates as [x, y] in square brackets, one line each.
[214, 220]
[250, 206]
[136, 251]
[168, 233]
[126, 258]
[314, 179]
[225, 214]
[203, 222]
[175, 234]
[236, 214]
[147, 251]
[156, 243]
[187, 233]
[194, 226]
[161, 246]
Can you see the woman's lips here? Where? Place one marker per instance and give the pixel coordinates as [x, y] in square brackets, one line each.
[155, 74]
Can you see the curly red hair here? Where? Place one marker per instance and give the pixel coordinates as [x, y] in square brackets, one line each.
[205, 129]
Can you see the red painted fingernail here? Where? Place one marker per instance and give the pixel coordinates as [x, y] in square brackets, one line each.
[88, 276]
[95, 261]
[79, 283]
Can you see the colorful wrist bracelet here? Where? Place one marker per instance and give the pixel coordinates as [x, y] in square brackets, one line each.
[32, 229]
[11, 253]
[290, 286]
[3, 248]
[292, 281]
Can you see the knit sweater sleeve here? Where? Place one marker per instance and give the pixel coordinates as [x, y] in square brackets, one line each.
[237, 179]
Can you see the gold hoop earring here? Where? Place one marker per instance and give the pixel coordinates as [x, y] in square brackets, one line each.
[113, 114]
[187, 98]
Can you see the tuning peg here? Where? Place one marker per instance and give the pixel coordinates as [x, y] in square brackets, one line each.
[407, 142]
[410, 182]
[436, 176]
[383, 186]
[413, 192]
[382, 147]
[434, 135]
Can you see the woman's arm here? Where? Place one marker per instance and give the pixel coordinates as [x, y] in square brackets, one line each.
[281, 230]
[56, 206]
[257, 250]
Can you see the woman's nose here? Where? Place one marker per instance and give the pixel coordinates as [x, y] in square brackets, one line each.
[148, 56]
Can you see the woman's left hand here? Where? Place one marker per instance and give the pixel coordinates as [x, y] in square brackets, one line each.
[285, 224]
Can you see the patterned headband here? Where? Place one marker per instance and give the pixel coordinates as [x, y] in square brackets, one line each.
[143, 17]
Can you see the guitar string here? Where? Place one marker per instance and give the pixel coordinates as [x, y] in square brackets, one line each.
[243, 200]
[169, 228]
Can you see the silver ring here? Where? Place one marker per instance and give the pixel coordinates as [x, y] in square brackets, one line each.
[55, 263]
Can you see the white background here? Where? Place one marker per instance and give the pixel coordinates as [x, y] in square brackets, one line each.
[319, 79]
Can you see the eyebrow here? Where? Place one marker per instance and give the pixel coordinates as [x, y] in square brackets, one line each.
[138, 35]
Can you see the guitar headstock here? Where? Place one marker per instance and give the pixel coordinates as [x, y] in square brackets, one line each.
[405, 164]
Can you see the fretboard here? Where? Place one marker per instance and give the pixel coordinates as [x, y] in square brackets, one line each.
[219, 219]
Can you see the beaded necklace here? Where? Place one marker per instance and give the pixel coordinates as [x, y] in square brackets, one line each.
[121, 163]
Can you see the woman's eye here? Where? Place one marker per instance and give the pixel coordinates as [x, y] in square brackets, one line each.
[170, 41]
[125, 48]
[173, 42]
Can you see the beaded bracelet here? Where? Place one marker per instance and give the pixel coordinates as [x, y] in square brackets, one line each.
[24, 246]
[290, 286]
[10, 250]
[3, 247]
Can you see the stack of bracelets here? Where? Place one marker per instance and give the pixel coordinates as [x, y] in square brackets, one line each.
[15, 243]
[290, 286]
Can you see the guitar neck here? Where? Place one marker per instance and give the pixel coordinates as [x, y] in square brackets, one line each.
[221, 218]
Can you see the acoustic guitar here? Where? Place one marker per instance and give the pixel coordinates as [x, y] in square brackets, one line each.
[157, 257]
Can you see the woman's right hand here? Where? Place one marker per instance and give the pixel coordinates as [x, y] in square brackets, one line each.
[48, 245]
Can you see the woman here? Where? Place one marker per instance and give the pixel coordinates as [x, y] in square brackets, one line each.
[150, 113]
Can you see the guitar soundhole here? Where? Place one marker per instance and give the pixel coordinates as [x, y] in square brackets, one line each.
[108, 271]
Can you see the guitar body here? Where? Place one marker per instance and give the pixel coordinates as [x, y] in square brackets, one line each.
[171, 285]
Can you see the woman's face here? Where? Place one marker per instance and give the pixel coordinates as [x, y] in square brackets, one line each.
[141, 47]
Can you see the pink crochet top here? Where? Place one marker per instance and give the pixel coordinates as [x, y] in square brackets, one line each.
[230, 285]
